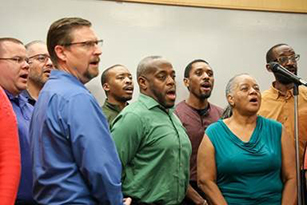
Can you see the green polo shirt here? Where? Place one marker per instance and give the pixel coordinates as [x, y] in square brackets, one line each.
[155, 152]
[110, 111]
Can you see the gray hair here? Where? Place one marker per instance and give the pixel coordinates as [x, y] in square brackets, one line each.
[229, 90]
[28, 45]
[231, 83]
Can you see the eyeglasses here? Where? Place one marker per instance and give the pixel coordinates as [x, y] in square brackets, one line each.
[285, 59]
[86, 44]
[42, 58]
[17, 59]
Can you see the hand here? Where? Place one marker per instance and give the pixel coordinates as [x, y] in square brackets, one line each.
[127, 201]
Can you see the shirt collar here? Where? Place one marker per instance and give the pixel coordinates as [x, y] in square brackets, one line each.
[19, 99]
[199, 110]
[56, 73]
[112, 106]
[27, 95]
[277, 94]
[150, 103]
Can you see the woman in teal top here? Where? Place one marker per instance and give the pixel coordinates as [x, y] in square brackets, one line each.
[246, 159]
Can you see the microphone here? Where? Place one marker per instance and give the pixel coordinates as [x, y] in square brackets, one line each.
[277, 68]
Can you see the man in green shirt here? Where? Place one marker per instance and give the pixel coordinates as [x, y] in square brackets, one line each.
[117, 83]
[152, 144]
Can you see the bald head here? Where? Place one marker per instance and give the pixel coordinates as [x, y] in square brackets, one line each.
[156, 79]
[147, 65]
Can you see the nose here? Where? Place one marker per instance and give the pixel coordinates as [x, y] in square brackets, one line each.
[205, 76]
[49, 63]
[128, 80]
[25, 65]
[98, 50]
[170, 80]
[253, 91]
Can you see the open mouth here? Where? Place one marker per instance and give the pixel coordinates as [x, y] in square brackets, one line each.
[95, 62]
[24, 76]
[171, 94]
[205, 86]
[254, 100]
[47, 71]
[292, 70]
[128, 89]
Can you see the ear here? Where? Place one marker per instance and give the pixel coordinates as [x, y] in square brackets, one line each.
[186, 82]
[230, 100]
[268, 67]
[106, 87]
[60, 52]
[142, 83]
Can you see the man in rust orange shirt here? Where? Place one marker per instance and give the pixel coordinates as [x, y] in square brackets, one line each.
[278, 101]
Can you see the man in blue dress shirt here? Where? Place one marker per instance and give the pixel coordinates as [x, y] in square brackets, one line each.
[74, 157]
[14, 69]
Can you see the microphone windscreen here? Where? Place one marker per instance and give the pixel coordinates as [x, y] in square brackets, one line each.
[273, 66]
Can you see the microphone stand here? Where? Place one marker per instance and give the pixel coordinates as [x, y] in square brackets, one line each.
[276, 67]
[296, 137]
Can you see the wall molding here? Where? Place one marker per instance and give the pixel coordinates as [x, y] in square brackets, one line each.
[291, 6]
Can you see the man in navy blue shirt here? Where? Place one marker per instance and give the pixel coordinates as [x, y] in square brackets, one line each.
[14, 70]
[74, 157]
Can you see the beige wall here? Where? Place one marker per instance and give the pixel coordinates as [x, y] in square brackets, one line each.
[232, 41]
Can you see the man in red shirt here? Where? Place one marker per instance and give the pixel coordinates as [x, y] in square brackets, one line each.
[9, 152]
[196, 114]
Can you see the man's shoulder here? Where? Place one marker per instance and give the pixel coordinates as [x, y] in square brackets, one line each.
[138, 108]
[182, 109]
[66, 90]
[267, 91]
[181, 105]
[268, 94]
[104, 107]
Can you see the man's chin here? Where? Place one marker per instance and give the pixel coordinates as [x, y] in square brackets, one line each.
[91, 75]
[168, 105]
[22, 86]
[123, 98]
[205, 96]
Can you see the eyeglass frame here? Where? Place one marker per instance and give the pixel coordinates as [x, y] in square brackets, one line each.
[46, 56]
[293, 58]
[17, 59]
[89, 44]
